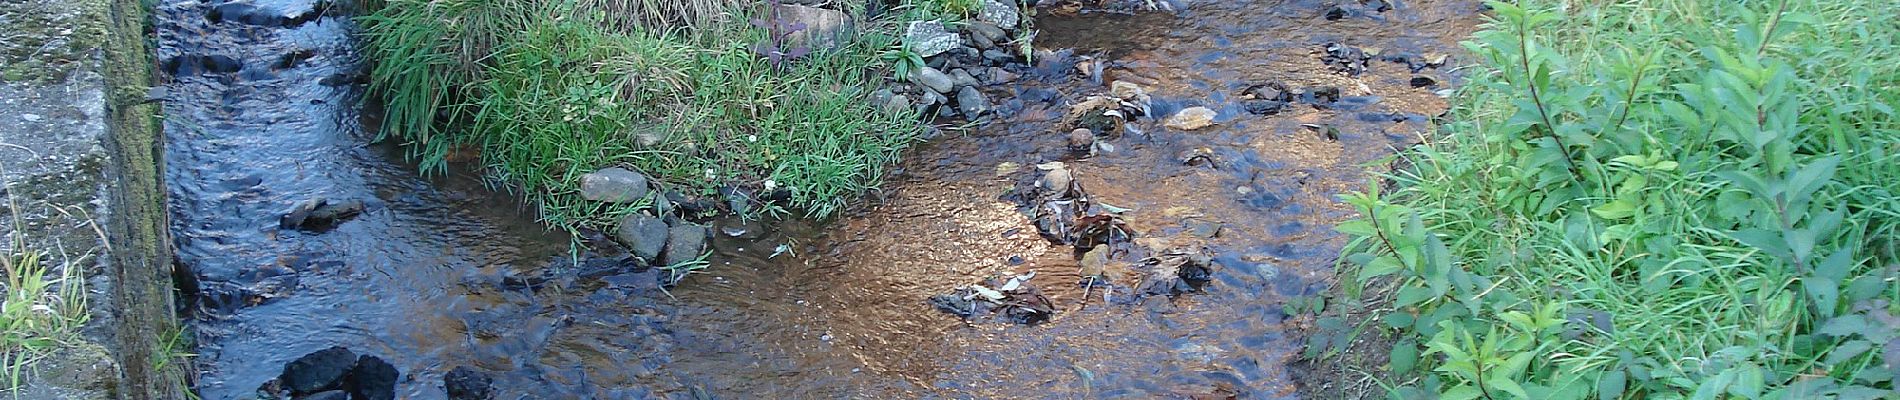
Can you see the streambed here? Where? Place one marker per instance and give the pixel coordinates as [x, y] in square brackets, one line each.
[438, 273]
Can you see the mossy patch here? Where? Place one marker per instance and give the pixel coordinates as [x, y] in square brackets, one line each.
[48, 40]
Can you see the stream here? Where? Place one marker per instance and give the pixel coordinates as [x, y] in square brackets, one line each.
[263, 112]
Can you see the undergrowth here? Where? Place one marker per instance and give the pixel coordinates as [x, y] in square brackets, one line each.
[1654, 199]
[546, 91]
[42, 306]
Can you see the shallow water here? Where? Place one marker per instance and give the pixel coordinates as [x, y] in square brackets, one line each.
[423, 278]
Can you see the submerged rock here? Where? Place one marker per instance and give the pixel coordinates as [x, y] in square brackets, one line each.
[614, 185]
[1081, 141]
[320, 214]
[464, 383]
[644, 236]
[1015, 299]
[929, 38]
[327, 395]
[1192, 118]
[318, 371]
[373, 379]
[973, 103]
[1177, 271]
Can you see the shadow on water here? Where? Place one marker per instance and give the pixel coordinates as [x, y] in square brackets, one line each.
[439, 273]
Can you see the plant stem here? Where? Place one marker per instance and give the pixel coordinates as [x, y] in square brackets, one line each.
[1530, 80]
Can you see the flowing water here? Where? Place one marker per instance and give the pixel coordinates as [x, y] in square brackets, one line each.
[440, 272]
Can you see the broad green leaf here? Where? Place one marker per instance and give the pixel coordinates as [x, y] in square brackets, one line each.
[1847, 351]
[1615, 210]
[1610, 386]
[1410, 295]
[1844, 326]
[1836, 266]
[1460, 392]
[1823, 292]
[1713, 387]
[1379, 266]
[1404, 356]
[1749, 381]
[1507, 384]
[1516, 364]
[1768, 241]
[1357, 227]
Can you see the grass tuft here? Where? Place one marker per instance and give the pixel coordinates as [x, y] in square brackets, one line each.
[547, 91]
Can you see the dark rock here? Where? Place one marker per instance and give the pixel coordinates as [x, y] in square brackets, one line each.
[1197, 157]
[614, 185]
[962, 77]
[955, 305]
[1347, 59]
[1356, 102]
[1263, 107]
[220, 63]
[987, 31]
[320, 214]
[1320, 96]
[998, 56]
[1268, 91]
[1423, 81]
[643, 235]
[933, 79]
[689, 204]
[973, 102]
[344, 79]
[293, 59]
[464, 383]
[327, 395]
[1339, 12]
[738, 200]
[373, 379]
[318, 371]
[981, 42]
[1177, 271]
[999, 76]
[684, 243]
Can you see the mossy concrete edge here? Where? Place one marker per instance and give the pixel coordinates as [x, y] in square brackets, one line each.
[141, 266]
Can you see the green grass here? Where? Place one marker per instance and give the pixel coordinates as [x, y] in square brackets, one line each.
[1720, 180]
[546, 91]
[40, 313]
[42, 306]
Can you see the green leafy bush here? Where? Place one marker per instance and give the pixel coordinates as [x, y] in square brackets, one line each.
[1649, 199]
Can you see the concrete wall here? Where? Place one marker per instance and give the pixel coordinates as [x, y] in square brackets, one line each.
[79, 152]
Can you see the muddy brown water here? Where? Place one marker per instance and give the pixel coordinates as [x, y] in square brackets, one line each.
[833, 309]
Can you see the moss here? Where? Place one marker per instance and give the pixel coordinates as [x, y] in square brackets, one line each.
[141, 257]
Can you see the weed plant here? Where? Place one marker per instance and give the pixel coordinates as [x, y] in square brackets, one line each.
[1650, 199]
[42, 306]
[546, 91]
